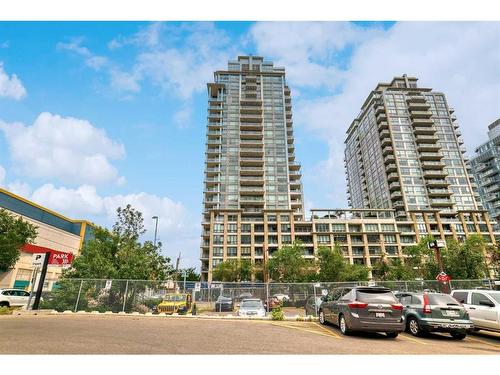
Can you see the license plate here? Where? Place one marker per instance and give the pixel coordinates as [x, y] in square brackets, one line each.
[379, 315]
[451, 313]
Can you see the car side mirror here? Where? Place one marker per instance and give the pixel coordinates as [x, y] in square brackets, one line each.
[487, 303]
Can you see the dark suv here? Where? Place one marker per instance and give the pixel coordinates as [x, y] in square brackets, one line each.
[435, 312]
[371, 309]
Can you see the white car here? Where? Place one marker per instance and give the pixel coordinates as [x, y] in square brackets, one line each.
[13, 297]
[483, 307]
[252, 307]
[282, 297]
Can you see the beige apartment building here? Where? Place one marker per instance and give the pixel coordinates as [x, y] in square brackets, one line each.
[253, 201]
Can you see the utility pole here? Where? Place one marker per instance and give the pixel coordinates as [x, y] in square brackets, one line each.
[156, 228]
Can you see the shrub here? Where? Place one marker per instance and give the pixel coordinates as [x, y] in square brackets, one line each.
[4, 310]
[277, 314]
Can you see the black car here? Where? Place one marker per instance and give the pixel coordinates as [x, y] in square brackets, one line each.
[224, 304]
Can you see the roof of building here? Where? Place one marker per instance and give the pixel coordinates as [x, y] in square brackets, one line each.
[29, 209]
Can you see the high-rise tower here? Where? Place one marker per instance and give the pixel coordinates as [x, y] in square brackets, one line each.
[486, 169]
[250, 162]
[404, 152]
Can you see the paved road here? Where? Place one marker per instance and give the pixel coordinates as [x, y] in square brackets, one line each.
[103, 334]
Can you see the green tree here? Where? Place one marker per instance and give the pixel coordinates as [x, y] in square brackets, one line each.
[334, 268]
[494, 259]
[191, 274]
[116, 254]
[422, 260]
[14, 233]
[381, 269]
[465, 260]
[233, 270]
[355, 272]
[288, 265]
[399, 270]
[331, 264]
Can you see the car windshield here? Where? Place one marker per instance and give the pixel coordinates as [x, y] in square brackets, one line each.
[495, 296]
[376, 296]
[174, 297]
[442, 299]
[251, 304]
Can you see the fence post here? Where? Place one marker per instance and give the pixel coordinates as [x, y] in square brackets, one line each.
[489, 282]
[315, 307]
[78, 298]
[406, 286]
[267, 296]
[125, 296]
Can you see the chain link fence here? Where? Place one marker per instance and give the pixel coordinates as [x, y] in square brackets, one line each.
[144, 296]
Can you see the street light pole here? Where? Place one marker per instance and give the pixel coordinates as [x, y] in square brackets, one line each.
[156, 228]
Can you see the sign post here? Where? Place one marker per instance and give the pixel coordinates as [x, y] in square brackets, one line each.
[41, 281]
[437, 245]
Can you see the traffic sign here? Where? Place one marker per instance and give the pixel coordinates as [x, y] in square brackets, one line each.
[436, 244]
[197, 287]
[38, 259]
[443, 277]
[60, 259]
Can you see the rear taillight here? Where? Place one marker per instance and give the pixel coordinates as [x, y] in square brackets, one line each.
[427, 307]
[397, 306]
[357, 305]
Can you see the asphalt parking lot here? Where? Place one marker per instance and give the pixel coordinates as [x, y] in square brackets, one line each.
[112, 334]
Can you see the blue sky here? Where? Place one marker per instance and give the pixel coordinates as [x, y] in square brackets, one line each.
[94, 115]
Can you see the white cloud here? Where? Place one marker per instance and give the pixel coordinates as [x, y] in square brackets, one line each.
[69, 149]
[5, 44]
[20, 188]
[454, 58]
[308, 50]
[73, 202]
[179, 60]
[10, 87]
[123, 81]
[177, 230]
[148, 36]
[92, 60]
[186, 70]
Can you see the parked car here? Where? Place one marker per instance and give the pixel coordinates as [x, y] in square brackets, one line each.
[13, 297]
[252, 307]
[369, 309]
[483, 307]
[312, 306]
[282, 297]
[434, 312]
[272, 302]
[224, 303]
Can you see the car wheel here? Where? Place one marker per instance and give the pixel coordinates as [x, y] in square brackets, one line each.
[414, 327]
[344, 329]
[322, 317]
[4, 304]
[392, 335]
[458, 335]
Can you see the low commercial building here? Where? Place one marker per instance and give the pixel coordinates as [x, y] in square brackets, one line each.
[56, 233]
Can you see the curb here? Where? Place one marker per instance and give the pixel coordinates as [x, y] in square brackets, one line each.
[296, 318]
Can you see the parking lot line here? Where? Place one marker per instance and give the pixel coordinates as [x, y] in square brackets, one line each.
[404, 336]
[329, 334]
[327, 330]
[482, 342]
